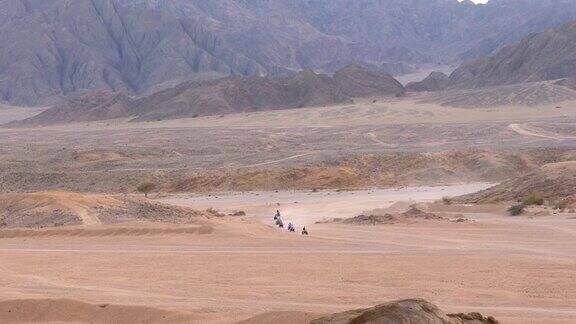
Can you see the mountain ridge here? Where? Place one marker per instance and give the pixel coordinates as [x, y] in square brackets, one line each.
[57, 48]
[223, 96]
[549, 55]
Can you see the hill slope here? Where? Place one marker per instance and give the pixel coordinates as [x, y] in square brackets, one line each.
[436, 81]
[60, 208]
[546, 56]
[553, 181]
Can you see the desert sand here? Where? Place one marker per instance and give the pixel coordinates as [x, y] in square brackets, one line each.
[200, 267]
[520, 270]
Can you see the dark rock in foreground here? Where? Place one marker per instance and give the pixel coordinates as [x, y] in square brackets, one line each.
[410, 311]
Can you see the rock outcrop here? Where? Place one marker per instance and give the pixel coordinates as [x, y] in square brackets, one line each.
[410, 311]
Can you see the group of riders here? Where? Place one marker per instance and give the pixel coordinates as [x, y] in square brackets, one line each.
[291, 228]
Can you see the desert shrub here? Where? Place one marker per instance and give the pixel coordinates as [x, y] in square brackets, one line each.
[447, 200]
[516, 210]
[561, 205]
[534, 199]
[146, 188]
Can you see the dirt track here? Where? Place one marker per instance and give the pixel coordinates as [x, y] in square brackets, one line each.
[522, 130]
[245, 267]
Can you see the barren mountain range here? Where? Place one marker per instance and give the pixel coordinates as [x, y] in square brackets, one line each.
[54, 48]
[548, 55]
[491, 81]
[526, 73]
[227, 95]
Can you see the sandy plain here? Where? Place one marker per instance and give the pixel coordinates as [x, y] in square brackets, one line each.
[520, 270]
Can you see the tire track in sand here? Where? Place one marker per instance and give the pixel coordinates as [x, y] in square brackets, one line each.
[521, 129]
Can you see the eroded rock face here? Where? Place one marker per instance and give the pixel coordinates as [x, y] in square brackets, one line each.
[55, 48]
[410, 311]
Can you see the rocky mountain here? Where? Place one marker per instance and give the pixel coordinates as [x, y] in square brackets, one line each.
[436, 81]
[223, 96]
[56, 48]
[236, 94]
[548, 55]
[357, 81]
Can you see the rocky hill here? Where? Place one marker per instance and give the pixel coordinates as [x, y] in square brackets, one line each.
[224, 96]
[548, 55]
[234, 94]
[58, 48]
[414, 311]
[436, 81]
[555, 181]
[356, 81]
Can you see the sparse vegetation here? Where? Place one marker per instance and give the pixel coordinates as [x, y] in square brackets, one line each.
[516, 210]
[534, 199]
[447, 200]
[561, 205]
[146, 188]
